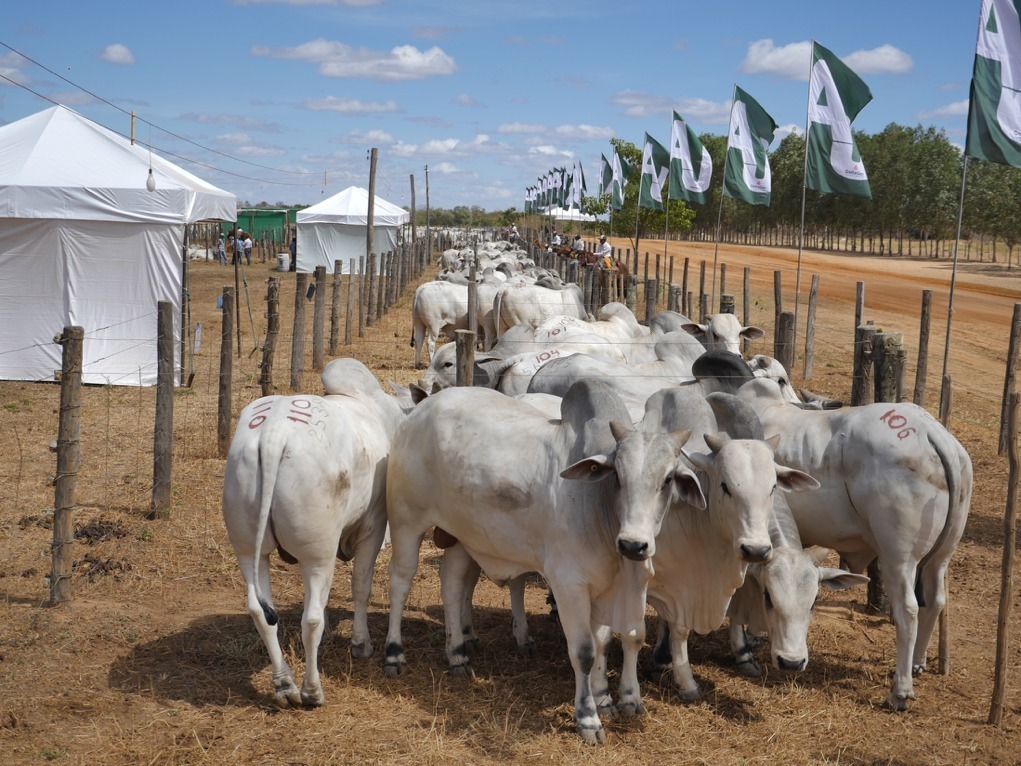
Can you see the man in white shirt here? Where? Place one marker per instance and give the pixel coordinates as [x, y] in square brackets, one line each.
[556, 239]
[605, 250]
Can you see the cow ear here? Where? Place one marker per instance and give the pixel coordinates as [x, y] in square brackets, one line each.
[838, 579]
[793, 480]
[700, 460]
[773, 442]
[680, 438]
[619, 430]
[592, 468]
[752, 332]
[694, 328]
[687, 488]
[418, 394]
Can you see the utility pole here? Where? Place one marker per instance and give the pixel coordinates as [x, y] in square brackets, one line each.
[370, 260]
[414, 231]
[428, 229]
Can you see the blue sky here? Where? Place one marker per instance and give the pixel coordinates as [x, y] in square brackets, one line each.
[488, 95]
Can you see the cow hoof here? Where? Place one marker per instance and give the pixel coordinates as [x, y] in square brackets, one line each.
[607, 710]
[287, 695]
[473, 645]
[361, 651]
[314, 698]
[462, 671]
[917, 670]
[526, 649]
[593, 736]
[748, 669]
[392, 670]
[898, 701]
[631, 709]
[691, 695]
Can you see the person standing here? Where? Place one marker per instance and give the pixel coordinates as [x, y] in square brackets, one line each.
[221, 251]
[248, 249]
[604, 253]
[294, 253]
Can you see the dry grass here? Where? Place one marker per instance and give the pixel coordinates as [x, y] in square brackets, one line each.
[156, 660]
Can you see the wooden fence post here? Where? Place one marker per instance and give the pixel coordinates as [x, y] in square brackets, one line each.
[813, 299]
[370, 298]
[298, 331]
[68, 461]
[338, 270]
[650, 299]
[163, 428]
[746, 305]
[685, 308]
[1010, 381]
[861, 382]
[349, 311]
[783, 346]
[361, 296]
[1007, 565]
[777, 302]
[728, 304]
[465, 353]
[223, 399]
[319, 320]
[923, 350]
[272, 331]
[859, 303]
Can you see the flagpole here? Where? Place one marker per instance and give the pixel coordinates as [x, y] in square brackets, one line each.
[666, 229]
[801, 231]
[953, 281]
[716, 246]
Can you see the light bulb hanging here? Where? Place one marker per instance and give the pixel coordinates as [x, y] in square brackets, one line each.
[150, 182]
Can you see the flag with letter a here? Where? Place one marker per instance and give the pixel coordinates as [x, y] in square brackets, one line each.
[621, 170]
[994, 110]
[835, 96]
[746, 174]
[691, 166]
[655, 169]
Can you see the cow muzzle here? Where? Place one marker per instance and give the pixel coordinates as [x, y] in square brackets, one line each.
[752, 553]
[782, 663]
[636, 550]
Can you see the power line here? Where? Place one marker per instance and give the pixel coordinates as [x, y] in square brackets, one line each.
[158, 127]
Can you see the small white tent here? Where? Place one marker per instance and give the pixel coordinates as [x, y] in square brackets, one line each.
[335, 229]
[83, 242]
[559, 214]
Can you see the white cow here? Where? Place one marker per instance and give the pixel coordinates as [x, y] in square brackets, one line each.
[702, 556]
[520, 303]
[306, 475]
[723, 331]
[579, 500]
[895, 484]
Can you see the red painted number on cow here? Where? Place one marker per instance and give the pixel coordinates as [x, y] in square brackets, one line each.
[259, 414]
[897, 423]
[301, 411]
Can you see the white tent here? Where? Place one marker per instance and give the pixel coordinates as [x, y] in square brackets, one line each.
[335, 229]
[83, 242]
[559, 214]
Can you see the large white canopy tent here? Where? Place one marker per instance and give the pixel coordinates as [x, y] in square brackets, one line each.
[336, 228]
[84, 242]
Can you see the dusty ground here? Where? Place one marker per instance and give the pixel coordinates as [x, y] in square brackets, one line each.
[156, 659]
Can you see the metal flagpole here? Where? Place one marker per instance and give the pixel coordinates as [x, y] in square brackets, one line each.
[953, 281]
[716, 246]
[801, 231]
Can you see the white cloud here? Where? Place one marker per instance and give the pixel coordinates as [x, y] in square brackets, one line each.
[703, 110]
[242, 121]
[349, 105]
[583, 132]
[792, 60]
[10, 67]
[882, 60]
[373, 137]
[444, 167]
[464, 100]
[545, 150]
[520, 128]
[785, 130]
[638, 104]
[117, 54]
[955, 109]
[242, 145]
[405, 62]
[440, 146]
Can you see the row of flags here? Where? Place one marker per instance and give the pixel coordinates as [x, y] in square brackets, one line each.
[684, 170]
[557, 188]
[832, 162]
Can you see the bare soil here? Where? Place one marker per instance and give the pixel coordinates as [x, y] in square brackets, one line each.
[156, 660]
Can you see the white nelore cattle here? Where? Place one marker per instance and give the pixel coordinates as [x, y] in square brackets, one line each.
[520, 303]
[702, 556]
[895, 485]
[438, 307]
[307, 475]
[583, 509]
[724, 331]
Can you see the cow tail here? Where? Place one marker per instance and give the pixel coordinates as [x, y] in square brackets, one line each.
[497, 310]
[268, 469]
[414, 320]
[958, 474]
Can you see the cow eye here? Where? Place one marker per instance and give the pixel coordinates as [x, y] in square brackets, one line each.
[725, 488]
[769, 601]
[668, 481]
[448, 364]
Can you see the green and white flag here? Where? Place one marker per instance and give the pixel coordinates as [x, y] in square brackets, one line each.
[621, 171]
[691, 166]
[605, 176]
[746, 174]
[578, 188]
[835, 96]
[994, 111]
[655, 171]
[567, 192]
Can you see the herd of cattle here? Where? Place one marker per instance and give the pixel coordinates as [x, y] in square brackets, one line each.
[627, 464]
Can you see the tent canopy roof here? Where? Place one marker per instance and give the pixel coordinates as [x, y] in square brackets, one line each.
[58, 164]
[351, 206]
